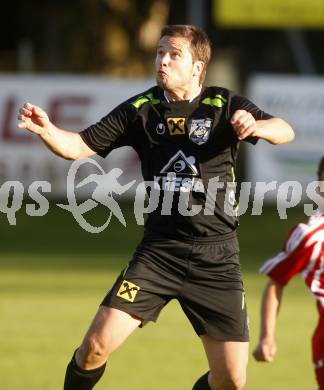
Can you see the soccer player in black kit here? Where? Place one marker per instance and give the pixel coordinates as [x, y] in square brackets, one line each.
[187, 137]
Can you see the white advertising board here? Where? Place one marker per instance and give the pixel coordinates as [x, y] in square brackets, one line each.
[300, 101]
[72, 103]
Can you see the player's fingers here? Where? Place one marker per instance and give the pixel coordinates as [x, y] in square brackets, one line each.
[244, 120]
[22, 117]
[247, 120]
[268, 357]
[246, 132]
[25, 111]
[22, 125]
[30, 126]
[35, 110]
[269, 352]
[238, 114]
[241, 127]
[259, 358]
[262, 353]
[240, 117]
[257, 354]
[28, 106]
[273, 351]
[39, 112]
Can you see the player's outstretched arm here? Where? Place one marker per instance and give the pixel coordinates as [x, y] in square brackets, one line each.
[63, 143]
[274, 130]
[266, 348]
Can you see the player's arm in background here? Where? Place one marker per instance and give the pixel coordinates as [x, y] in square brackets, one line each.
[266, 348]
[280, 269]
[66, 144]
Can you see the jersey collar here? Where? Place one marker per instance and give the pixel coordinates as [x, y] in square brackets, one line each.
[189, 101]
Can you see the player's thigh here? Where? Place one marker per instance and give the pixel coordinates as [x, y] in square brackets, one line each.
[226, 359]
[152, 278]
[108, 330]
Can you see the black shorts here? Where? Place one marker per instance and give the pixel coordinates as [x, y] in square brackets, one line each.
[203, 275]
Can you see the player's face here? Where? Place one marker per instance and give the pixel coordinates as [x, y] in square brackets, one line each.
[174, 64]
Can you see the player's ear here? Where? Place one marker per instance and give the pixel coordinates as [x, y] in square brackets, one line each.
[198, 68]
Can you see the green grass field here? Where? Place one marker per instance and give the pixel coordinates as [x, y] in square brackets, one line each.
[53, 275]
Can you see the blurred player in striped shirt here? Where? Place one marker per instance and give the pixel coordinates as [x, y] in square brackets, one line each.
[303, 253]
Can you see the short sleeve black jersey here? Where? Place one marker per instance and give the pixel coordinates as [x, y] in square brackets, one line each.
[187, 149]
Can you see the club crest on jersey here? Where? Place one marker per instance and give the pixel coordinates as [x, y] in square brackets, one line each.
[199, 130]
[176, 126]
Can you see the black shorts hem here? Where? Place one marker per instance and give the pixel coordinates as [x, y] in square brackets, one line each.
[130, 312]
[205, 329]
[224, 338]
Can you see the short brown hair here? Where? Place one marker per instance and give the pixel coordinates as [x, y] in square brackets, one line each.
[200, 45]
[320, 167]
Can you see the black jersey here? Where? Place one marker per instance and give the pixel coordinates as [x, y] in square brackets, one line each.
[185, 147]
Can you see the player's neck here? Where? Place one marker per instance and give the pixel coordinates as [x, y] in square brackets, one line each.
[178, 95]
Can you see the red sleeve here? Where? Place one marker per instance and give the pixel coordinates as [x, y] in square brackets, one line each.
[292, 260]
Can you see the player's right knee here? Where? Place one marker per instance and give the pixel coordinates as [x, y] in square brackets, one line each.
[92, 352]
[228, 382]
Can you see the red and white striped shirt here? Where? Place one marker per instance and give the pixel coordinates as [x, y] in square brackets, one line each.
[303, 253]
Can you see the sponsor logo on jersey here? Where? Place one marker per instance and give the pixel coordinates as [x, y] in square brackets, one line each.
[176, 126]
[180, 174]
[181, 164]
[199, 130]
[128, 291]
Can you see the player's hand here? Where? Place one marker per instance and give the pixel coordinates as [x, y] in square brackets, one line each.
[33, 118]
[265, 351]
[243, 124]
